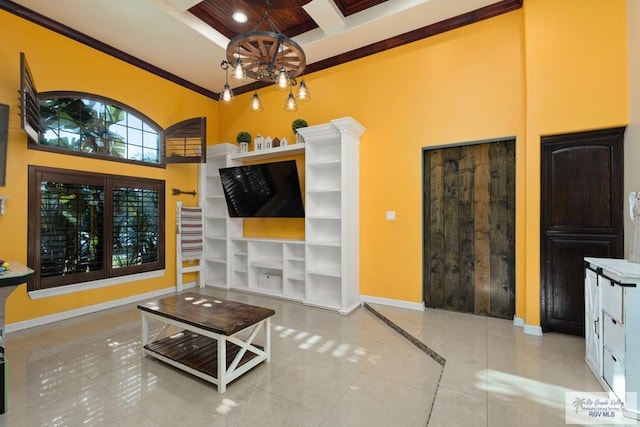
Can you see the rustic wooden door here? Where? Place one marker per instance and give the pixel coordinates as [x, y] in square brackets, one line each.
[580, 215]
[469, 223]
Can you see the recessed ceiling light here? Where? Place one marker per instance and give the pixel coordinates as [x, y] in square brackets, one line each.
[240, 17]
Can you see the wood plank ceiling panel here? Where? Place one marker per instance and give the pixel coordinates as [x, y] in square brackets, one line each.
[290, 21]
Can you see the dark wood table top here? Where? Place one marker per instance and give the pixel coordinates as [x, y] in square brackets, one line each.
[15, 275]
[209, 313]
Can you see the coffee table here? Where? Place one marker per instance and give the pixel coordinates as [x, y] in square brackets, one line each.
[217, 341]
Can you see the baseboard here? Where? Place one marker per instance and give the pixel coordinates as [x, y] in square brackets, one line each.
[419, 306]
[527, 329]
[45, 320]
[518, 321]
[532, 330]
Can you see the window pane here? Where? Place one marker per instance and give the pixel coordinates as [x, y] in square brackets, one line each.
[134, 122]
[71, 228]
[135, 226]
[91, 226]
[96, 128]
[150, 155]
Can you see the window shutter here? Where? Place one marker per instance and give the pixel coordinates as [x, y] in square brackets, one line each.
[186, 142]
[29, 105]
[4, 138]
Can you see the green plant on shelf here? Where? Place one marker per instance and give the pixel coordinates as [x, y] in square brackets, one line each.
[243, 137]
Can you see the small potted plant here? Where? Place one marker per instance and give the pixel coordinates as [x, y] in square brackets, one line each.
[243, 138]
[297, 124]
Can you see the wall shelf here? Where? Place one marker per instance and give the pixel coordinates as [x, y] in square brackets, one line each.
[287, 150]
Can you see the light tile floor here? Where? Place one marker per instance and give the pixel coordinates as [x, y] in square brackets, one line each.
[326, 370]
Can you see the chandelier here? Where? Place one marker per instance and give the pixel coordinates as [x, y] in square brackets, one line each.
[268, 56]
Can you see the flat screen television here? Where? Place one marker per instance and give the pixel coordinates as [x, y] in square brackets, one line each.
[266, 190]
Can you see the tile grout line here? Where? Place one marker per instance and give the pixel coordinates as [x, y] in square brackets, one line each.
[422, 346]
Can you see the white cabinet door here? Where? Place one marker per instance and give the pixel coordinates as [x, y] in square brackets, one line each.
[593, 322]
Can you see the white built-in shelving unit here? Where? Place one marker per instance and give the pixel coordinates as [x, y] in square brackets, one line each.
[323, 269]
[332, 209]
[219, 229]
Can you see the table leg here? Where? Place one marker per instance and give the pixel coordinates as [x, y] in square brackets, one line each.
[222, 365]
[267, 338]
[145, 329]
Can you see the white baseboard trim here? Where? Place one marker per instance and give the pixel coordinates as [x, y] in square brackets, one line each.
[419, 306]
[45, 320]
[532, 330]
[527, 329]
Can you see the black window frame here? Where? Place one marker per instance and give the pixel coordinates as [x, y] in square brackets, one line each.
[38, 174]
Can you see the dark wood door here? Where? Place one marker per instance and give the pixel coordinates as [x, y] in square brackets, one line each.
[581, 215]
[469, 223]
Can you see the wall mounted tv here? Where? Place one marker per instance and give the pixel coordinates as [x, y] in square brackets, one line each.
[266, 190]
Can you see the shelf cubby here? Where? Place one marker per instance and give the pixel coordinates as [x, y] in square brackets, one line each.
[327, 151]
[324, 291]
[323, 203]
[327, 230]
[324, 176]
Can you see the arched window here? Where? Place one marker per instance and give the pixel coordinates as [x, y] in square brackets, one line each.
[97, 126]
[91, 125]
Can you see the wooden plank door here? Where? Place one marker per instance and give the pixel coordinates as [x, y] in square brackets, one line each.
[469, 223]
[580, 215]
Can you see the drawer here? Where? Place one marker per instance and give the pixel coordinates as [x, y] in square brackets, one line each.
[612, 298]
[613, 373]
[613, 332]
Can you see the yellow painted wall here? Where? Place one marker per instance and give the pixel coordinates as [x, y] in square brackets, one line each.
[464, 85]
[59, 63]
[576, 73]
[551, 67]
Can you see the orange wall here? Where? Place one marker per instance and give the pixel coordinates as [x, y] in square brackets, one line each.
[466, 85]
[551, 67]
[576, 72]
[59, 63]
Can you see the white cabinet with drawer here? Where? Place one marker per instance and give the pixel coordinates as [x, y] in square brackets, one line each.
[612, 327]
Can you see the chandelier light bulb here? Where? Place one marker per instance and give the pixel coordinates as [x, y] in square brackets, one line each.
[227, 95]
[282, 81]
[302, 94]
[238, 71]
[290, 104]
[256, 103]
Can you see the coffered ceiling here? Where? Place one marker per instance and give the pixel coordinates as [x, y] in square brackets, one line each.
[185, 40]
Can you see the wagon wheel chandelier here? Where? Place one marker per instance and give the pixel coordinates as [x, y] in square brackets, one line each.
[266, 56]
